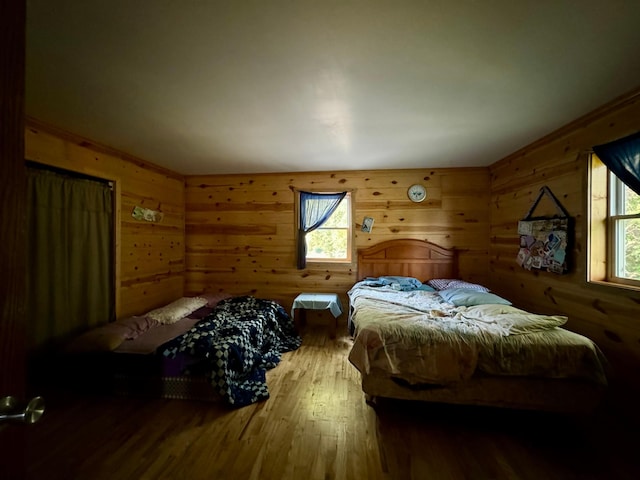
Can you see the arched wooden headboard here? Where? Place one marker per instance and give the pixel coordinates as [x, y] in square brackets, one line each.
[408, 257]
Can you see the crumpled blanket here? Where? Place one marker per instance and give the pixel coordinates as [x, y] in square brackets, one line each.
[236, 344]
[415, 334]
[419, 337]
[419, 315]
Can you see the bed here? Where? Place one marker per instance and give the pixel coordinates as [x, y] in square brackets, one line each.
[209, 347]
[421, 333]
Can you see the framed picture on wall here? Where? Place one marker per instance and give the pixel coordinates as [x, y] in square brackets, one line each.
[367, 224]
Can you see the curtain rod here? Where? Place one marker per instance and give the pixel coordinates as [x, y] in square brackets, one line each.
[321, 190]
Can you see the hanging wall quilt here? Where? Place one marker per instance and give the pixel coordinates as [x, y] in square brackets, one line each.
[544, 241]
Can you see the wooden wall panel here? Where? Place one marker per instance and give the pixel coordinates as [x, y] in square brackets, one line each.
[608, 315]
[150, 256]
[240, 229]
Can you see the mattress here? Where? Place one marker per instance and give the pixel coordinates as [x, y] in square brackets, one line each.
[155, 337]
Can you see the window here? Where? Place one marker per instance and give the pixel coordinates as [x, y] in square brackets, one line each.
[624, 220]
[614, 228]
[330, 240]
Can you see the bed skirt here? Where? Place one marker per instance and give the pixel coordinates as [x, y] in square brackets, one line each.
[178, 388]
[134, 375]
[553, 395]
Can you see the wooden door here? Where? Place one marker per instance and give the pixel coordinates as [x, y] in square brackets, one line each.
[12, 229]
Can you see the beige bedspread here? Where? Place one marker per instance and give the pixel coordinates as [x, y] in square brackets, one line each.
[420, 338]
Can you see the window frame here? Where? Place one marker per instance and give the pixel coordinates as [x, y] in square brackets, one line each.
[603, 203]
[350, 194]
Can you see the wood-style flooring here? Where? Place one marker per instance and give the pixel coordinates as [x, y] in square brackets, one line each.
[316, 425]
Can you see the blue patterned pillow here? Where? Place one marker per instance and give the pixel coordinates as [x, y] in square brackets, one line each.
[444, 283]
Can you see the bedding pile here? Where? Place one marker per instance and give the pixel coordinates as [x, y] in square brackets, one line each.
[236, 344]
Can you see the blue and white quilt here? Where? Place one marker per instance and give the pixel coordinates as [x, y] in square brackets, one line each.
[236, 344]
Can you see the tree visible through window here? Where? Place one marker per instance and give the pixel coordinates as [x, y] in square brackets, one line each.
[624, 215]
[331, 241]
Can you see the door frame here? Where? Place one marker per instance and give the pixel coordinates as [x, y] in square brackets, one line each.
[12, 230]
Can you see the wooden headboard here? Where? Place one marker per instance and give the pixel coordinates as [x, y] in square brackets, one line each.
[408, 257]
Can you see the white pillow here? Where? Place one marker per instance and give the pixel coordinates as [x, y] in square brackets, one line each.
[518, 321]
[176, 310]
[466, 297]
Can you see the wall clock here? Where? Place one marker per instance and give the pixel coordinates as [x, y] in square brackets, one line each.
[417, 193]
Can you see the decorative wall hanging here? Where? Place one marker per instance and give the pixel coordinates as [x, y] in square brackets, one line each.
[544, 241]
[367, 224]
[141, 213]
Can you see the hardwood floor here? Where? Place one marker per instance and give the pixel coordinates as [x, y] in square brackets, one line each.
[316, 425]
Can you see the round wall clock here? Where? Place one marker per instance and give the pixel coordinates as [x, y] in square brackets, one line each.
[417, 193]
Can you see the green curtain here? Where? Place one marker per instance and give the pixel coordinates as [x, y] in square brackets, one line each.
[70, 279]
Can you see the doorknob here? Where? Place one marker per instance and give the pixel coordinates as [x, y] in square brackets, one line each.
[10, 410]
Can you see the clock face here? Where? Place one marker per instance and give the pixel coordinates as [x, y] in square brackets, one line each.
[417, 193]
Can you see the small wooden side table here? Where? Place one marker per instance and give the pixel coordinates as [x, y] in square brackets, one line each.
[317, 301]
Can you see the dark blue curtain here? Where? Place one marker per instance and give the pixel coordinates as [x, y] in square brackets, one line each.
[315, 209]
[622, 157]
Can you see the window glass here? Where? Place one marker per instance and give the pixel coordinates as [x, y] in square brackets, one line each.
[331, 241]
[632, 201]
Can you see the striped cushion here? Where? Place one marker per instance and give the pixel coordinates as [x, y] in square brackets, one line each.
[444, 283]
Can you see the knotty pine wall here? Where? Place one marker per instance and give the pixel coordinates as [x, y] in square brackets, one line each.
[149, 256]
[610, 316]
[240, 229]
